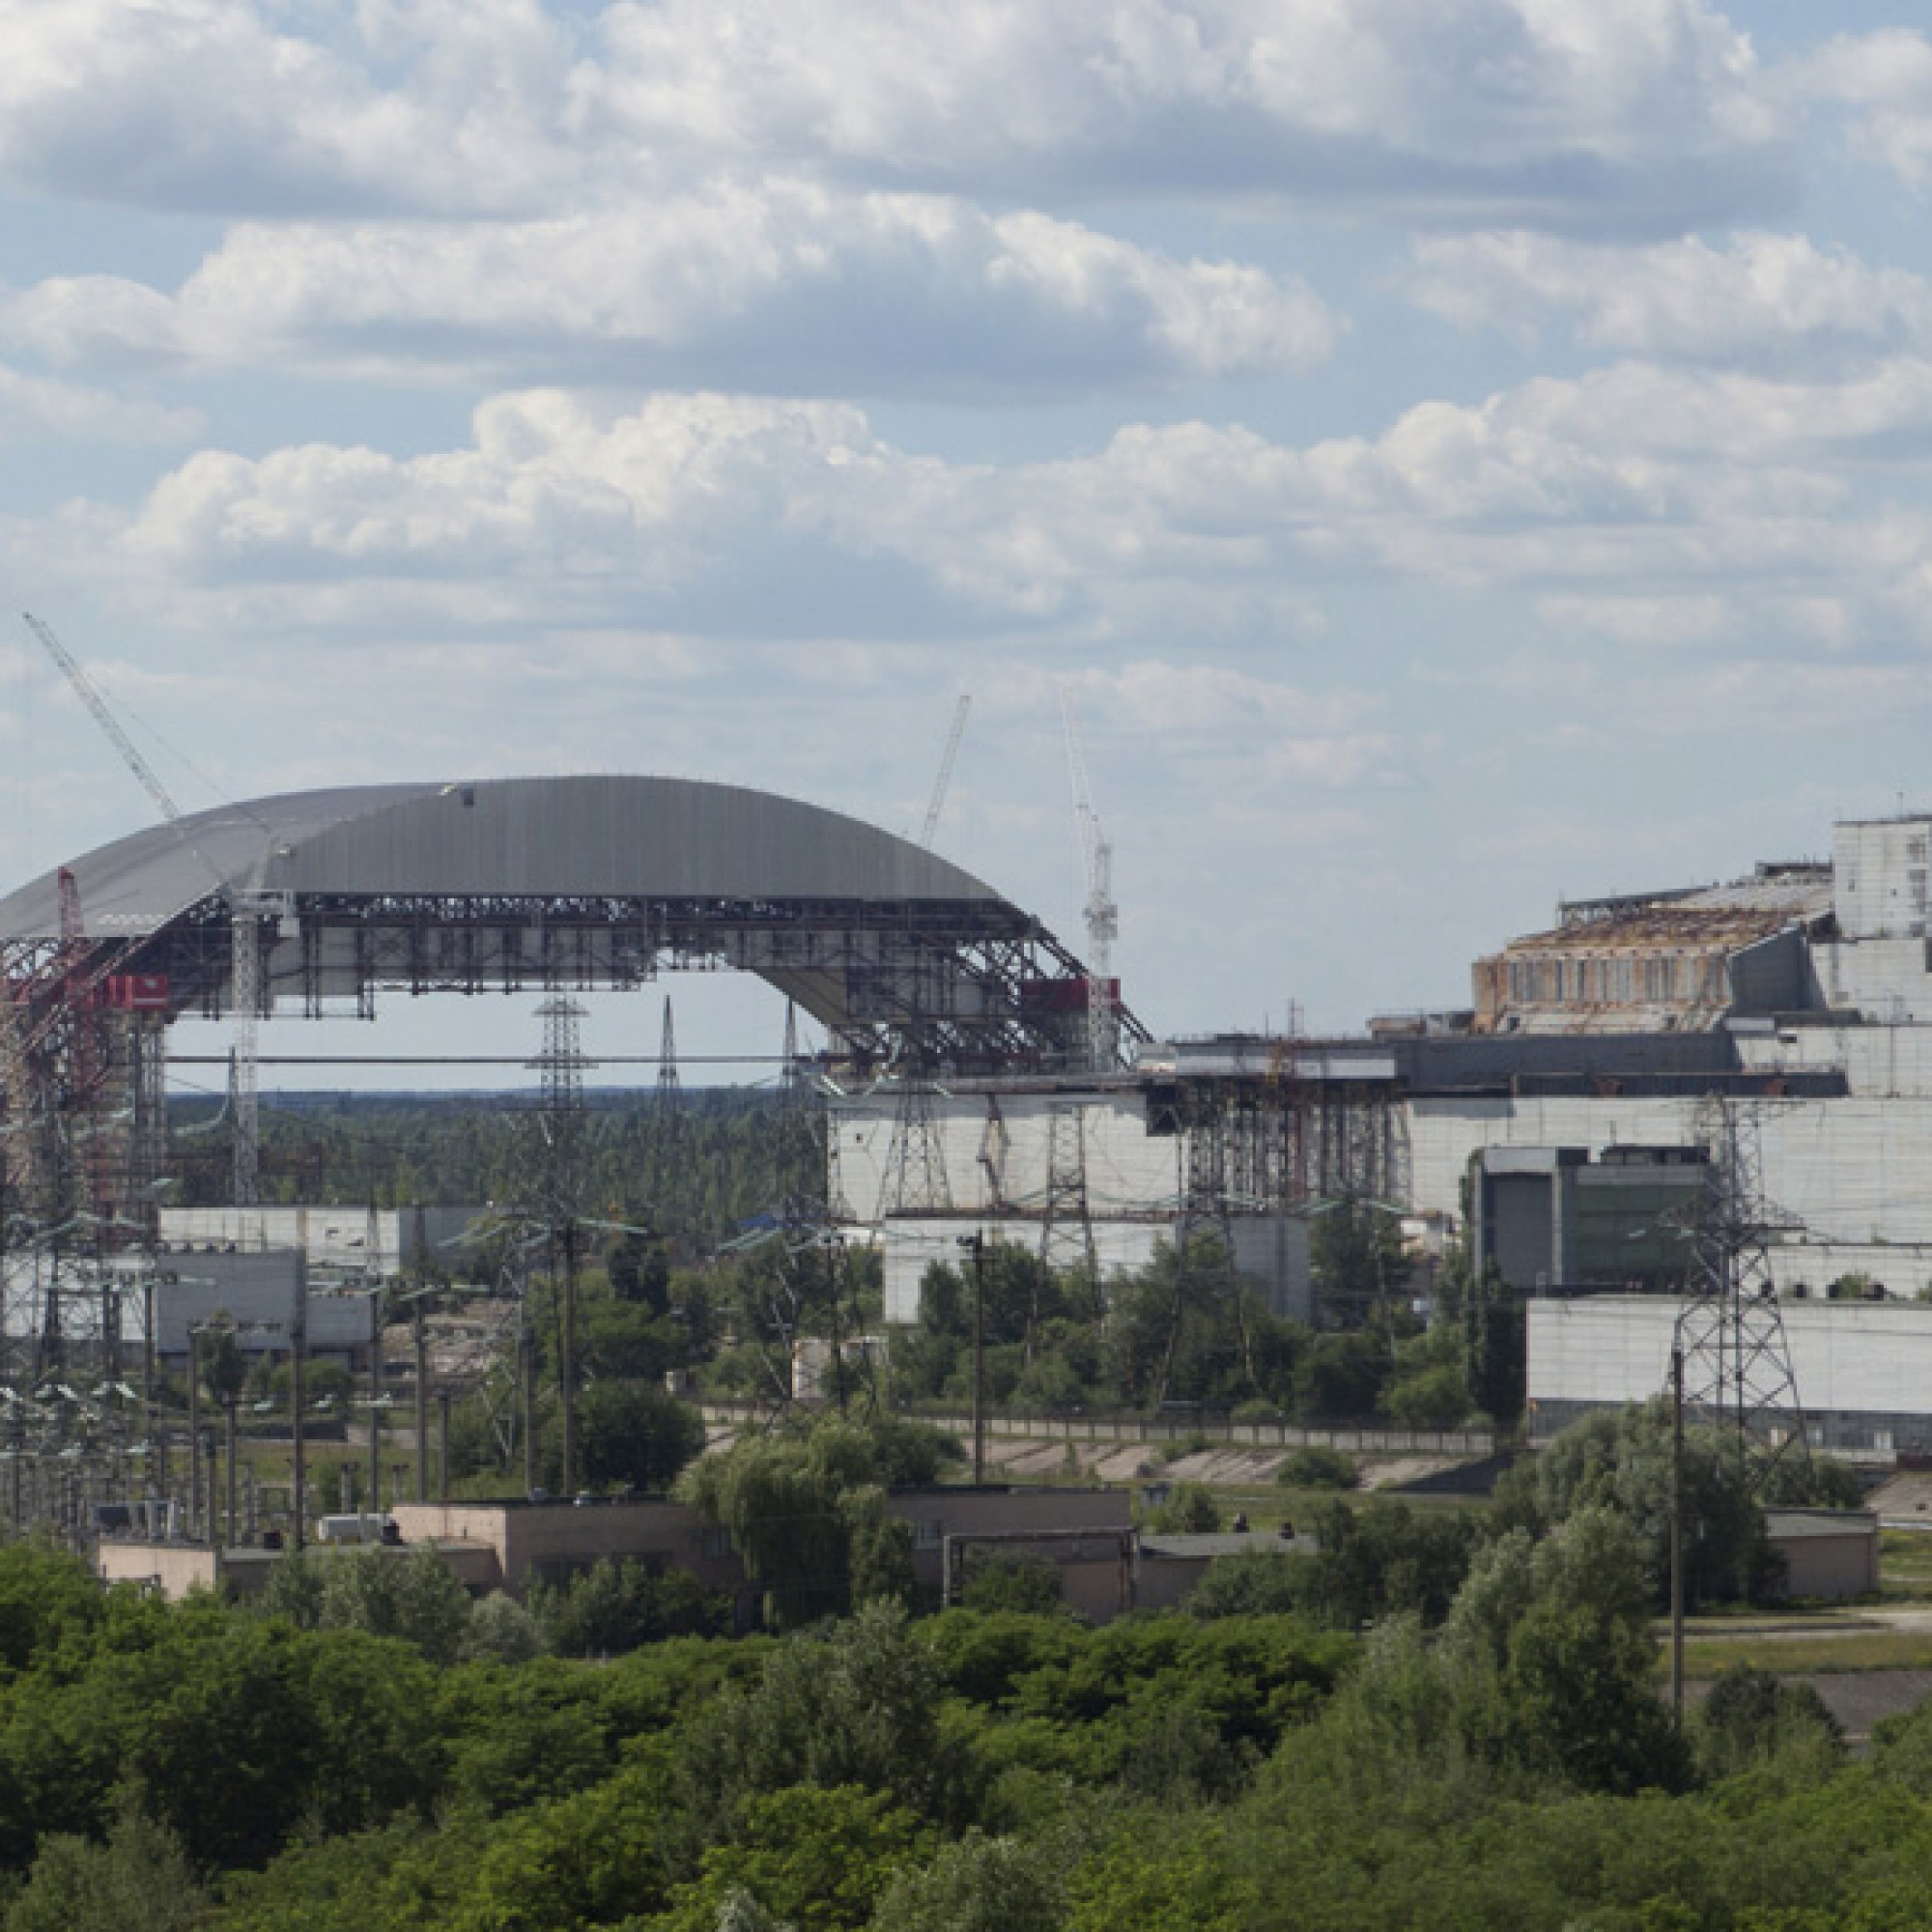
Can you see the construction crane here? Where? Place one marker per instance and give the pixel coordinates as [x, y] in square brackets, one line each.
[245, 913]
[944, 782]
[1102, 915]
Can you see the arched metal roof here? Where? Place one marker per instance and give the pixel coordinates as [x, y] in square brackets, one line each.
[594, 837]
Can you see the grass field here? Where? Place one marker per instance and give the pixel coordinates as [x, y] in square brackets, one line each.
[1905, 1565]
[1856, 1650]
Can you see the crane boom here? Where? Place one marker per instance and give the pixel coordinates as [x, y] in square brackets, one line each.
[944, 782]
[84, 689]
[1102, 915]
[245, 910]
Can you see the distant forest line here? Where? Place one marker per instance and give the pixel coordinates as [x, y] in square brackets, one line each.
[694, 1171]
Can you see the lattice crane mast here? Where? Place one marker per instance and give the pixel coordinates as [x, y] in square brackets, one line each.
[1102, 915]
[244, 923]
[944, 782]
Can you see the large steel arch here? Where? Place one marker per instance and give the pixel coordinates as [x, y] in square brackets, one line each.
[549, 883]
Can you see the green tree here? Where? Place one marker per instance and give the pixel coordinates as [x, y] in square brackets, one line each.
[1340, 1378]
[501, 1629]
[47, 1598]
[139, 1876]
[1261, 1582]
[981, 1884]
[590, 1860]
[1357, 1256]
[1810, 1481]
[805, 1507]
[1495, 1346]
[1575, 1696]
[618, 1604]
[1190, 1510]
[1385, 1559]
[812, 1858]
[632, 1433]
[1750, 1716]
[1014, 1580]
[857, 1705]
[410, 1594]
[1623, 1457]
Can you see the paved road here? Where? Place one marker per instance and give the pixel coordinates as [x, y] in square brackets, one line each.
[1856, 1698]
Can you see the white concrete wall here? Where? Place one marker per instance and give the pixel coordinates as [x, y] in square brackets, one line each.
[1126, 1170]
[336, 1237]
[1879, 885]
[1849, 1358]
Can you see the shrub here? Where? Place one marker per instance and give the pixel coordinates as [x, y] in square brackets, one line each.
[1317, 1466]
[617, 1606]
[1189, 1511]
[1011, 1581]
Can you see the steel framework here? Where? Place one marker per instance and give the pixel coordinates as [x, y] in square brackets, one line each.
[1730, 1333]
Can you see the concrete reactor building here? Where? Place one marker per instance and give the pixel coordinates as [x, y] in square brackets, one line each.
[1554, 1123]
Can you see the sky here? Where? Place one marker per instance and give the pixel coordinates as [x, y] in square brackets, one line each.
[1450, 454]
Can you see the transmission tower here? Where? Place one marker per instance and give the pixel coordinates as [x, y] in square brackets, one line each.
[1067, 1223]
[561, 1111]
[668, 1105]
[1730, 1333]
[916, 1182]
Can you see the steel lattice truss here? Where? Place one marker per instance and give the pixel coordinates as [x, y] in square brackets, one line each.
[1730, 1333]
[1270, 1143]
[955, 984]
[952, 987]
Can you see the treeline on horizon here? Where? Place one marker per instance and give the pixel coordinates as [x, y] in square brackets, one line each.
[696, 1175]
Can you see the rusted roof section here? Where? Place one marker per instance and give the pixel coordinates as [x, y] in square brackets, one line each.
[1701, 929]
[1706, 919]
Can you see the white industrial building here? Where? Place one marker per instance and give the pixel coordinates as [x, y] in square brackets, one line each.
[385, 1241]
[1863, 1369]
[253, 1291]
[1803, 990]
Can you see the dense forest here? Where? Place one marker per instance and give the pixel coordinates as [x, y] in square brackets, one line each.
[1437, 1719]
[698, 1170]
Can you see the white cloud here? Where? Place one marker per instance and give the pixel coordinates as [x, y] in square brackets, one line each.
[224, 106]
[43, 409]
[1883, 81]
[1756, 300]
[784, 286]
[1566, 112]
[739, 518]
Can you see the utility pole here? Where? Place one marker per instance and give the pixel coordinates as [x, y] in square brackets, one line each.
[567, 1360]
[374, 1505]
[526, 1363]
[422, 1403]
[1677, 1535]
[228, 1406]
[213, 1512]
[195, 1430]
[298, 1393]
[152, 1429]
[976, 1243]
